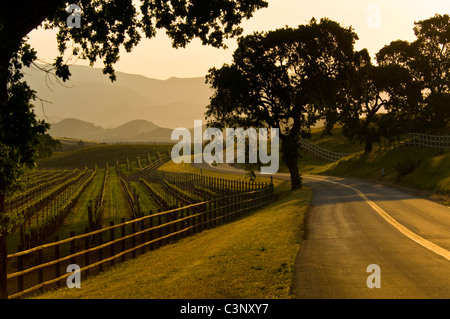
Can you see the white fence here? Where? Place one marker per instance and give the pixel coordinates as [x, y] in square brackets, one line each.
[411, 139]
[427, 141]
[322, 153]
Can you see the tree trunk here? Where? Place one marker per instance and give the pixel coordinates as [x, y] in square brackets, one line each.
[4, 61]
[296, 180]
[368, 146]
[3, 253]
[290, 157]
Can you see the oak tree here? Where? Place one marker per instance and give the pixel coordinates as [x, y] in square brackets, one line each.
[428, 61]
[107, 26]
[368, 105]
[283, 79]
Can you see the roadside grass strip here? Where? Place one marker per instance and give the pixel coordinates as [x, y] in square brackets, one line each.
[252, 257]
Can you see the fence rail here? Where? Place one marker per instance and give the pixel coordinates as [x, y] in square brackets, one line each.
[419, 140]
[322, 153]
[42, 266]
[427, 141]
[154, 165]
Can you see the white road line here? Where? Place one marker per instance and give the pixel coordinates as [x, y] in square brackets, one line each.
[405, 231]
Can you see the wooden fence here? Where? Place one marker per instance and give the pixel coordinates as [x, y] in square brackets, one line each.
[427, 141]
[188, 181]
[322, 153]
[44, 267]
[419, 140]
[154, 165]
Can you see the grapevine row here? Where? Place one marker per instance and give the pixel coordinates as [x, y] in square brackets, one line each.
[95, 210]
[56, 210]
[28, 197]
[163, 199]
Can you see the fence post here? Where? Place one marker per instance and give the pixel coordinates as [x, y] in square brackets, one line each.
[40, 270]
[142, 227]
[173, 228]
[133, 239]
[100, 251]
[20, 268]
[57, 265]
[183, 223]
[122, 235]
[217, 212]
[86, 255]
[111, 238]
[90, 216]
[22, 234]
[208, 212]
[188, 222]
[151, 233]
[244, 204]
[72, 247]
[207, 216]
[159, 230]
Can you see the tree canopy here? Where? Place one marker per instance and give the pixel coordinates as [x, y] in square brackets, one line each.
[370, 100]
[427, 60]
[407, 90]
[106, 27]
[282, 79]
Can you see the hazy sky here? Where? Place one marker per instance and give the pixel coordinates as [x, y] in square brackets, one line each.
[377, 23]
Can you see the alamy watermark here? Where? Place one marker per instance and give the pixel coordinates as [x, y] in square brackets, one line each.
[74, 19]
[258, 142]
[374, 280]
[74, 279]
[374, 18]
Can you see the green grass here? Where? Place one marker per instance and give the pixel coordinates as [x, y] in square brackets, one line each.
[429, 171]
[335, 142]
[423, 169]
[147, 202]
[252, 257]
[77, 220]
[115, 202]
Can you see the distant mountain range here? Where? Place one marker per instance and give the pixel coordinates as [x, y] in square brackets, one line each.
[133, 131]
[90, 96]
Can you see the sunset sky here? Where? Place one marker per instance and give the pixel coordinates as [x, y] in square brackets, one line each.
[155, 58]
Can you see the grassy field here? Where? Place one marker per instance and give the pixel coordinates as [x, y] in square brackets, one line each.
[335, 142]
[77, 220]
[148, 204]
[420, 169]
[116, 205]
[252, 257]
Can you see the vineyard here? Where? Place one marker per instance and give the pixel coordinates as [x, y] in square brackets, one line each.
[79, 207]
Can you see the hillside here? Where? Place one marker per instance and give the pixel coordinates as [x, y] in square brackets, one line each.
[90, 96]
[423, 170]
[140, 131]
[102, 154]
[133, 131]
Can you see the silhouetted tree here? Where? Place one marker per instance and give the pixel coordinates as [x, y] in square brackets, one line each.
[282, 79]
[428, 61]
[106, 27]
[368, 105]
[46, 145]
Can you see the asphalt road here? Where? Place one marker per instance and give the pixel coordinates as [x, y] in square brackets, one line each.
[352, 224]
